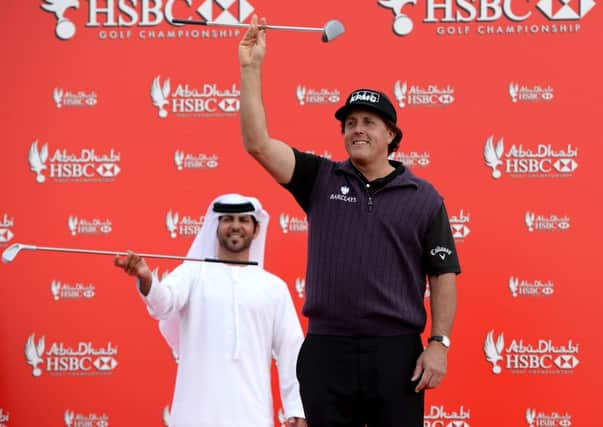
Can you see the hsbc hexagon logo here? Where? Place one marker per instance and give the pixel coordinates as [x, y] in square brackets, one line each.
[105, 363]
[566, 361]
[565, 10]
[229, 105]
[565, 165]
[108, 170]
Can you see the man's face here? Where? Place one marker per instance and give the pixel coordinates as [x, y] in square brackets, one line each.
[235, 232]
[366, 137]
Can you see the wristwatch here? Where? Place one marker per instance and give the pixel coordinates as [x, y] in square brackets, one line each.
[443, 339]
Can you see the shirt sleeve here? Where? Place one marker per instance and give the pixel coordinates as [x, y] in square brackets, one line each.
[171, 294]
[304, 176]
[286, 342]
[440, 250]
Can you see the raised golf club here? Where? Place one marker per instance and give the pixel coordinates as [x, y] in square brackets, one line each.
[330, 31]
[13, 250]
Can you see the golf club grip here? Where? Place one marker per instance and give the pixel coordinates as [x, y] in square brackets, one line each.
[184, 258]
[188, 21]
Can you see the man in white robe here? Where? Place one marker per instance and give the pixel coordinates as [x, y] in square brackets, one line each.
[225, 322]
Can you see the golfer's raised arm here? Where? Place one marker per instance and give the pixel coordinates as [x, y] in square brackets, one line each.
[275, 156]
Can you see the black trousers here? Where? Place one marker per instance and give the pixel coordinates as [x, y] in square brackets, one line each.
[360, 381]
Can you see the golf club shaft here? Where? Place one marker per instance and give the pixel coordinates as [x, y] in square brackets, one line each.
[161, 256]
[238, 25]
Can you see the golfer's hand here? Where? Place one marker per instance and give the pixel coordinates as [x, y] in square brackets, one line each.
[431, 366]
[134, 265]
[296, 422]
[253, 44]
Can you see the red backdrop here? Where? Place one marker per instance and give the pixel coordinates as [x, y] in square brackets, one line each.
[498, 103]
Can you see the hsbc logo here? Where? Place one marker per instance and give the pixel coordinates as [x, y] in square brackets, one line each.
[195, 161]
[523, 93]
[88, 226]
[65, 291]
[411, 159]
[146, 19]
[526, 288]
[542, 161]
[73, 419]
[307, 96]
[208, 100]
[491, 17]
[291, 224]
[186, 226]
[459, 225]
[63, 166]
[69, 99]
[59, 360]
[409, 95]
[542, 419]
[439, 416]
[6, 233]
[541, 357]
[535, 222]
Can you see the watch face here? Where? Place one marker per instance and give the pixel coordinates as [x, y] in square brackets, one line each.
[443, 339]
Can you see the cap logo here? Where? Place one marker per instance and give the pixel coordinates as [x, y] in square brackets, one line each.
[364, 96]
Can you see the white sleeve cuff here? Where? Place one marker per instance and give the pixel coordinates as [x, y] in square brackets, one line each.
[159, 300]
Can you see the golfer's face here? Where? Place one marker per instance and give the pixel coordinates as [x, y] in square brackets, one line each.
[366, 136]
[235, 232]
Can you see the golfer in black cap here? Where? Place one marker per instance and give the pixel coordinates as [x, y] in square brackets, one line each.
[376, 233]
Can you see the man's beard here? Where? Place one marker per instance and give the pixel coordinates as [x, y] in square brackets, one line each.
[241, 244]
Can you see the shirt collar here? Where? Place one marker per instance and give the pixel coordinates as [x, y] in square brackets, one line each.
[400, 176]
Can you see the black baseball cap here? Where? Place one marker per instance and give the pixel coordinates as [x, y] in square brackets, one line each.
[368, 99]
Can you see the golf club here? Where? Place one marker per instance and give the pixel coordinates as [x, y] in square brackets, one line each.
[10, 253]
[330, 31]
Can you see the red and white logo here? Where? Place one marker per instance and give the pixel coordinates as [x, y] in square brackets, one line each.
[83, 359]
[64, 166]
[540, 357]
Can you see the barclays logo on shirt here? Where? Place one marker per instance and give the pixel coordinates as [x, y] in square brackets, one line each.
[343, 195]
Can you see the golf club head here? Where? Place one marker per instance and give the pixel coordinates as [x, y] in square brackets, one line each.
[332, 29]
[9, 254]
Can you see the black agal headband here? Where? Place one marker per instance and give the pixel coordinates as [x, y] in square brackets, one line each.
[232, 208]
